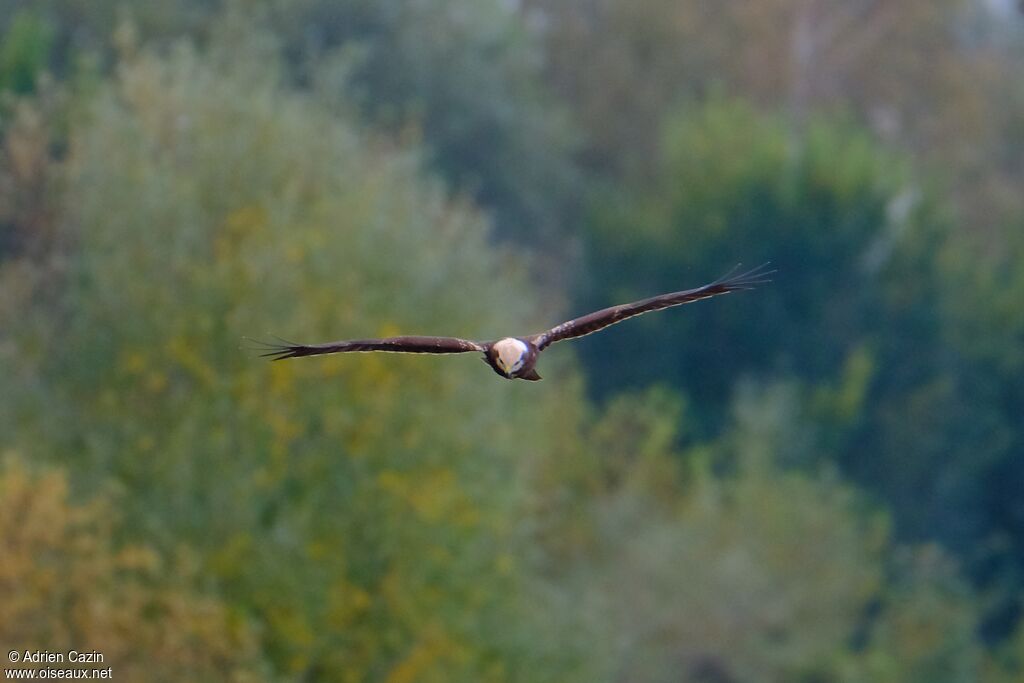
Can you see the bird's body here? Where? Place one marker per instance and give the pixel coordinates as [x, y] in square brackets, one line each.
[513, 358]
[516, 357]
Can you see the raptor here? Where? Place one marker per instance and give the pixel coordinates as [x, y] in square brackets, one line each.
[516, 357]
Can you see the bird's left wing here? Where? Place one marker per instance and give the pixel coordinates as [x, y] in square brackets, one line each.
[392, 344]
[599, 320]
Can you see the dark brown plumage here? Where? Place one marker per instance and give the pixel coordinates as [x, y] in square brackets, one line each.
[392, 344]
[515, 357]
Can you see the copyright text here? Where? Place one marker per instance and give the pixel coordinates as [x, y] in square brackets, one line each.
[84, 665]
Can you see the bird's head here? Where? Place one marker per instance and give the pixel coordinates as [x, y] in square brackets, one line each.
[509, 355]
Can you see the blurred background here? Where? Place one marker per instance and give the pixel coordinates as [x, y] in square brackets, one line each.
[818, 481]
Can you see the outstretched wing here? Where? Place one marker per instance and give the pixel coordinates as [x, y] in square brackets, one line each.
[599, 320]
[392, 344]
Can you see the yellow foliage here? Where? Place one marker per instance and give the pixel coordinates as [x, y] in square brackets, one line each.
[346, 603]
[132, 362]
[282, 379]
[64, 584]
[183, 350]
[433, 495]
[419, 659]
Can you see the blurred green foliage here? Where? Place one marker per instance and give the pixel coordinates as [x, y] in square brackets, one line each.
[367, 537]
[466, 74]
[816, 481]
[23, 52]
[461, 76]
[735, 182]
[868, 314]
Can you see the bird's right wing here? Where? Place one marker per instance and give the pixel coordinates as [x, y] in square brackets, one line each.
[598, 320]
[392, 344]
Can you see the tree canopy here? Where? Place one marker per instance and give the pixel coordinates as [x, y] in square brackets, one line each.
[815, 481]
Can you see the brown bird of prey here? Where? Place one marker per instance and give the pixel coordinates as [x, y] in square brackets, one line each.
[515, 357]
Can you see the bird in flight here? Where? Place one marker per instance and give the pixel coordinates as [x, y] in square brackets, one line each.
[516, 357]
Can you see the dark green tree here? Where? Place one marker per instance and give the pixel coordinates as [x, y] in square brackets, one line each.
[878, 311]
[24, 52]
[738, 186]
